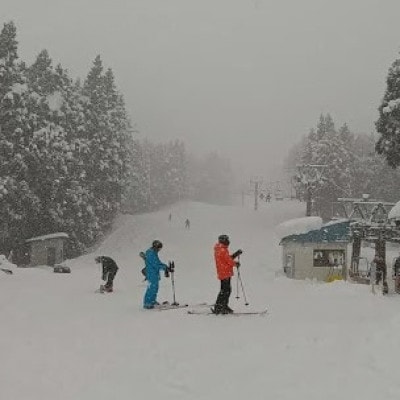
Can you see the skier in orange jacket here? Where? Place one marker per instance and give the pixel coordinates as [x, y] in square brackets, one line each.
[224, 263]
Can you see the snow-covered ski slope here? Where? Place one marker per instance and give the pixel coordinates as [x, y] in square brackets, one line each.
[60, 340]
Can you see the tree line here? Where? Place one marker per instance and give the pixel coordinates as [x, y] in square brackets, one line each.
[70, 160]
[354, 164]
[349, 167]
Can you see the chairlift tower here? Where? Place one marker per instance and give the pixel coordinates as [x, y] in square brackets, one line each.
[370, 223]
[256, 182]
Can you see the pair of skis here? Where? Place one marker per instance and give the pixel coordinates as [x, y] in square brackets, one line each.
[173, 306]
[234, 314]
[206, 311]
[196, 309]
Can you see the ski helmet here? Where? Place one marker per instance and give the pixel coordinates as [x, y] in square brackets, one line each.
[157, 245]
[224, 239]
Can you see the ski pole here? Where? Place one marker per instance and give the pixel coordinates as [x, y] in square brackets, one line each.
[242, 286]
[237, 286]
[237, 282]
[172, 269]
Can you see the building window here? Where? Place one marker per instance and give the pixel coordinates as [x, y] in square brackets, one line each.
[288, 267]
[328, 258]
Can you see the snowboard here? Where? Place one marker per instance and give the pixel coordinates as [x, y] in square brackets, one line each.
[234, 314]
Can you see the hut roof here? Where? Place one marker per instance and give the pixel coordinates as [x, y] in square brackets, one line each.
[333, 231]
[57, 235]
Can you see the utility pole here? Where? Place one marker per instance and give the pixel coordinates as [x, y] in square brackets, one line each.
[256, 181]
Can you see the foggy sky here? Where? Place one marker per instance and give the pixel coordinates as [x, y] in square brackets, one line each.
[245, 77]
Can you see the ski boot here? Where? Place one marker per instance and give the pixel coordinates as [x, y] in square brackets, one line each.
[397, 284]
[217, 309]
[228, 310]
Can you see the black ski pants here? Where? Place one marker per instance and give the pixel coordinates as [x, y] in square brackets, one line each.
[110, 278]
[224, 293]
[381, 274]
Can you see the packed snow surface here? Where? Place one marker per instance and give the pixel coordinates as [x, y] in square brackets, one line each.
[60, 340]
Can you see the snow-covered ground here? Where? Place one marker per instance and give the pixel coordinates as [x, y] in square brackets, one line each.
[60, 340]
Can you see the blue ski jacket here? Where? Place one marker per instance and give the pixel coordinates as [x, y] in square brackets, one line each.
[153, 265]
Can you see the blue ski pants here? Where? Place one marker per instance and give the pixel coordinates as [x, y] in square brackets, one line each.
[150, 297]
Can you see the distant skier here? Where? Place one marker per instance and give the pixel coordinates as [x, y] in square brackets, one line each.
[109, 270]
[187, 223]
[170, 217]
[153, 268]
[224, 264]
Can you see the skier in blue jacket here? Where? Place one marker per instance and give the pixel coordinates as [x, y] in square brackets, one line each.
[153, 268]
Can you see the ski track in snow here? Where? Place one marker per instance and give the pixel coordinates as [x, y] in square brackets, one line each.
[60, 340]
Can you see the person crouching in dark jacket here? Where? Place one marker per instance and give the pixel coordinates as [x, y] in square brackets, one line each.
[109, 270]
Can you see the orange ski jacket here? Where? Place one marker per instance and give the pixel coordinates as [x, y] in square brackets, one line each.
[223, 261]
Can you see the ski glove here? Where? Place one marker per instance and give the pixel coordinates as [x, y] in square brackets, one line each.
[237, 253]
[169, 269]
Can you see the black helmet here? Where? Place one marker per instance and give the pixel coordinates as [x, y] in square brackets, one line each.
[157, 245]
[224, 239]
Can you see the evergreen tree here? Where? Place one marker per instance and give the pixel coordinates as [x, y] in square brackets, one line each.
[388, 123]
[19, 206]
[109, 138]
[327, 150]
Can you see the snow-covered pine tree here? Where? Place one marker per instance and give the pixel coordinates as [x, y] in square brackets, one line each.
[19, 206]
[178, 171]
[120, 140]
[160, 175]
[74, 199]
[140, 196]
[45, 142]
[327, 148]
[388, 123]
[108, 134]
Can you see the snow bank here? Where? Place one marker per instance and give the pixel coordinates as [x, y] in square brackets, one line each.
[298, 225]
[4, 263]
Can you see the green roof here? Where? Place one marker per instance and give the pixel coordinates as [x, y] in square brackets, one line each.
[328, 233]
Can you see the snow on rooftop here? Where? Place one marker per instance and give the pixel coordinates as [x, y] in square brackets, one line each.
[298, 225]
[394, 213]
[49, 236]
[336, 221]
